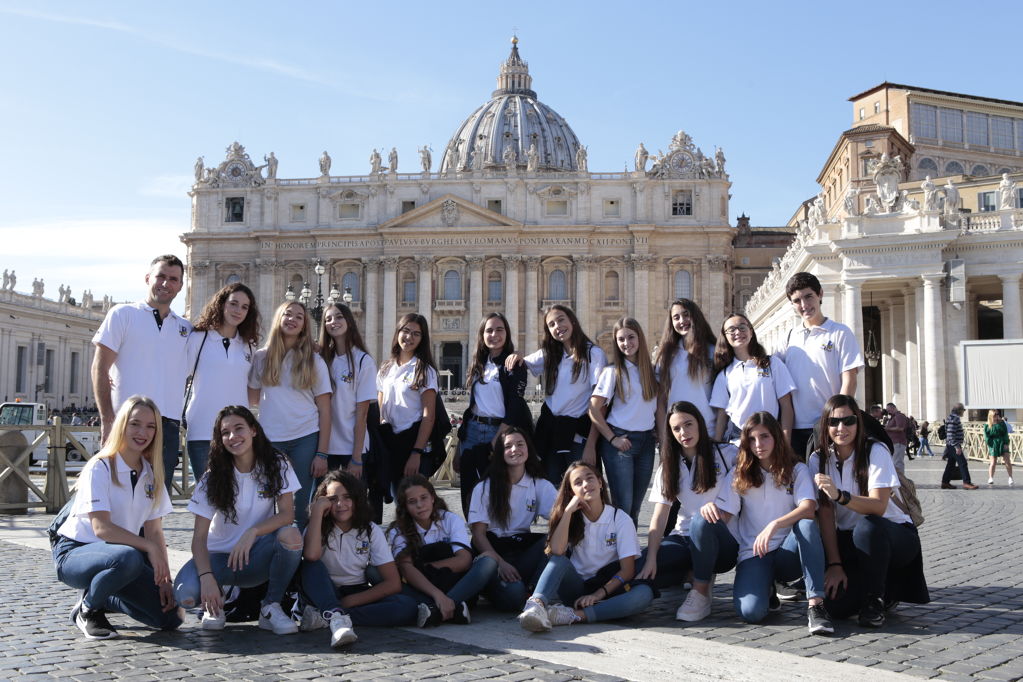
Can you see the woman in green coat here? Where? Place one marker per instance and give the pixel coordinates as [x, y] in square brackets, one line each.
[997, 436]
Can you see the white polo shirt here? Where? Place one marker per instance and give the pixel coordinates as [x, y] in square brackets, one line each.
[633, 413]
[221, 378]
[129, 507]
[352, 385]
[287, 413]
[529, 498]
[570, 398]
[402, 404]
[759, 506]
[880, 474]
[449, 528]
[816, 358]
[612, 537]
[690, 500]
[150, 359]
[348, 555]
[488, 397]
[252, 505]
[744, 388]
[695, 391]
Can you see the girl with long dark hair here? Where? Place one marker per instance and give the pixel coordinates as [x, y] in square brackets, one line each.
[684, 364]
[244, 506]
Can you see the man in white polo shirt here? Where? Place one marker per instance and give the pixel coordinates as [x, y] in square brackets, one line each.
[822, 356]
[140, 349]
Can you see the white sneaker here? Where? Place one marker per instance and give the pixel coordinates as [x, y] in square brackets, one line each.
[341, 631]
[559, 614]
[1010, 480]
[991, 481]
[312, 619]
[695, 607]
[211, 622]
[534, 617]
[272, 617]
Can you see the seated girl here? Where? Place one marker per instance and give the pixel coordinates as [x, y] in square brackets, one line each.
[348, 576]
[431, 546]
[597, 579]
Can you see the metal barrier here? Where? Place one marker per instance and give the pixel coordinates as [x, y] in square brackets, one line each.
[974, 444]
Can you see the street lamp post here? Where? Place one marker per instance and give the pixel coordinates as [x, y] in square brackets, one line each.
[317, 310]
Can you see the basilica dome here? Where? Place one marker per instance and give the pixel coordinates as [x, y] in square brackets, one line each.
[500, 134]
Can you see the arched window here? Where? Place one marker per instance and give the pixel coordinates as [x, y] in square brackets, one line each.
[232, 278]
[611, 281]
[928, 166]
[683, 284]
[452, 286]
[980, 170]
[954, 168]
[408, 288]
[350, 282]
[494, 293]
[557, 290]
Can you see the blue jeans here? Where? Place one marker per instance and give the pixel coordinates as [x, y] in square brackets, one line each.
[471, 584]
[511, 597]
[301, 452]
[925, 445]
[198, 457]
[115, 578]
[316, 588]
[557, 462]
[269, 561]
[714, 548]
[628, 473]
[472, 467]
[802, 554]
[171, 450]
[560, 580]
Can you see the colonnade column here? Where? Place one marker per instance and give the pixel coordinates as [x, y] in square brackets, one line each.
[641, 266]
[425, 279]
[511, 297]
[911, 391]
[886, 344]
[532, 304]
[371, 300]
[934, 347]
[852, 317]
[1012, 323]
[390, 307]
[583, 306]
[475, 290]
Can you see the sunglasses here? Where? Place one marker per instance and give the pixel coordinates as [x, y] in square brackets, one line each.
[845, 421]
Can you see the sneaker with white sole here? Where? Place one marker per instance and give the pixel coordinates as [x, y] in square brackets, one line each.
[818, 620]
[94, 624]
[312, 619]
[559, 614]
[1009, 481]
[696, 607]
[272, 617]
[341, 631]
[534, 617]
[991, 481]
[211, 622]
[72, 618]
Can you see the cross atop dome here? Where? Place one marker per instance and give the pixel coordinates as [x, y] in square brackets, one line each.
[514, 78]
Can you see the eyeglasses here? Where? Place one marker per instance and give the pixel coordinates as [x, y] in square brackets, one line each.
[845, 421]
[737, 329]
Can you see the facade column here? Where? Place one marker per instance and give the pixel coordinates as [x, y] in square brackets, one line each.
[371, 302]
[911, 392]
[714, 303]
[475, 290]
[641, 266]
[425, 278]
[583, 300]
[511, 298]
[852, 317]
[830, 301]
[886, 345]
[530, 308]
[1012, 322]
[266, 292]
[934, 355]
[390, 307]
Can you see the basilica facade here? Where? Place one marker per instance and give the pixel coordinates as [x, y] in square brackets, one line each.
[511, 220]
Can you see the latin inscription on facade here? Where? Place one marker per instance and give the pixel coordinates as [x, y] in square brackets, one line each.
[406, 242]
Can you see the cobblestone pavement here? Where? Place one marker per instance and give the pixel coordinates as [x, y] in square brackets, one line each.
[972, 629]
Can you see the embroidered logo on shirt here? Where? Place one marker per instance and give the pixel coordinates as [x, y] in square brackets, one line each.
[182, 330]
[789, 489]
[531, 506]
[347, 378]
[611, 540]
[248, 357]
[763, 372]
[829, 346]
[150, 491]
[717, 468]
[362, 546]
[264, 492]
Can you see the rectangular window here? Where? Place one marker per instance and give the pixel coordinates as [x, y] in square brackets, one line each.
[21, 380]
[925, 120]
[951, 125]
[1019, 197]
[48, 369]
[234, 209]
[745, 280]
[407, 206]
[877, 107]
[1019, 134]
[1001, 132]
[494, 291]
[348, 211]
[557, 207]
[408, 292]
[863, 113]
[682, 202]
[73, 380]
[976, 128]
[298, 213]
[494, 205]
[612, 208]
[986, 201]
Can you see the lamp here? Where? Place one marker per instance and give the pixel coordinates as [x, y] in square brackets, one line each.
[872, 355]
[306, 296]
[289, 295]
[347, 297]
[318, 310]
[335, 295]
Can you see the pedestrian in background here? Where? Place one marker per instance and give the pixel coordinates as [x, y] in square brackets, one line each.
[955, 458]
[996, 435]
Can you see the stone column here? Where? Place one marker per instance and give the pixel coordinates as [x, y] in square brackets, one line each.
[530, 308]
[1012, 323]
[714, 305]
[853, 318]
[511, 297]
[267, 294]
[371, 302]
[475, 290]
[920, 385]
[642, 264]
[886, 344]
[584, 303]
[390, 307]
[898, 346]
[425, 278]
[911, 392]
[934, 342]
[830, 299]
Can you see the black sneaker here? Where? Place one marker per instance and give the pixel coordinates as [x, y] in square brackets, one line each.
[72, 618]
[94, 624]
[773, 604]
[428, 615]
[461, 616]
[792, 591]
[818, 620]
[872, 613]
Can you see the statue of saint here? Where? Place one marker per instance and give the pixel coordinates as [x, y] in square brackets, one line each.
[816, 216]
[7, 279]
[532, 158]
[953, 201]
[325, 164]
[719, 158]
[852, 201]
[425, 158]
[198, 169]
[641, 158]
[580, 158]
[454, 158]
[271, 166]
[1007, 192]
[392, 160]
[14, 280]
[930, 194]
[479, 152]
[375, 162]
[510, 156]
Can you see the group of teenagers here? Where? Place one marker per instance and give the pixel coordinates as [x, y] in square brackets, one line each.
[291, 503]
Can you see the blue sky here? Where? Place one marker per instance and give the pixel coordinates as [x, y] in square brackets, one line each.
[106, 105]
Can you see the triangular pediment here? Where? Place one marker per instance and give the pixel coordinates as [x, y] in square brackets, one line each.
[446, 212]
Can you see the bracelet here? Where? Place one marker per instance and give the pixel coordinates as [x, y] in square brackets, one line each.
[322, 454]
[844, 497]
[833, 563]
[352, 461]
[625, 586]
[417, 450]
[206, 573]
[612, 440]
[606, 593]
